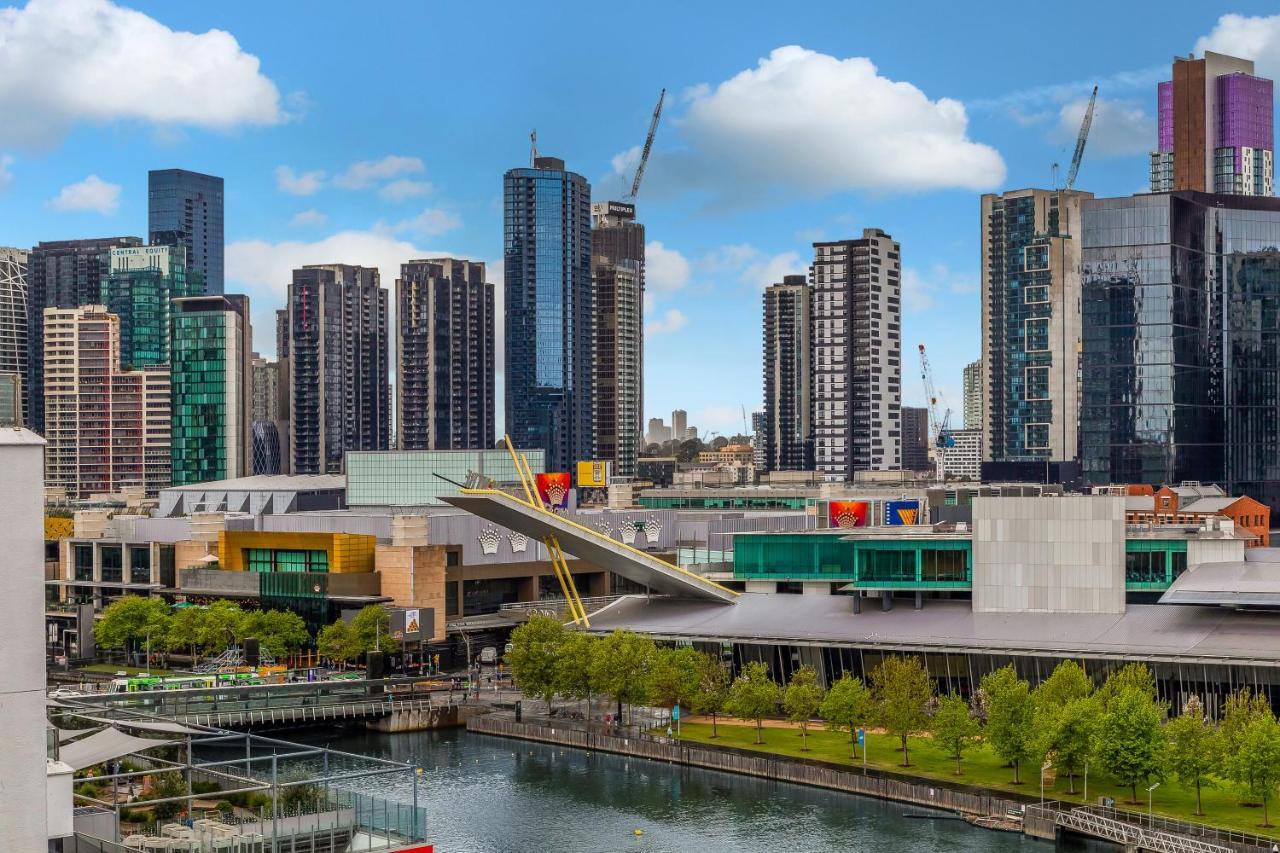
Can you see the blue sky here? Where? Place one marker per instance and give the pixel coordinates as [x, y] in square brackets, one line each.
[352, 135]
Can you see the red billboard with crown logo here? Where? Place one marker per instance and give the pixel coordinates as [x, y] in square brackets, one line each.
[847, 514]
[553, 489]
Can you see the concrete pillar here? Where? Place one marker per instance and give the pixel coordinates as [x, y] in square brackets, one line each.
[857, 602]
[919, 600]
[762, 586]
[816, 588]
[528, 588]
[597, 584]
[886, 601]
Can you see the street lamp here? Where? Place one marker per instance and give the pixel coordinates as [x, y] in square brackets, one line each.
[1086, 781]
[1043, 769]
[1150, 816]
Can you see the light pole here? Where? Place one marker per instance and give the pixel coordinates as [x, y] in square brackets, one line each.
[1150, 815]
[148, 666]
[1043, 767]
[1086, 781]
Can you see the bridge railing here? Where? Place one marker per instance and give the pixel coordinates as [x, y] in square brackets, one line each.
[1157, 824]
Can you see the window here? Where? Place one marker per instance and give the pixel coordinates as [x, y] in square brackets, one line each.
[937, 566]
[1035, 294]
[1147, 567]
[83, 562]
[1036, 334]
[1037, 437]
[1035, 258]
[1037, 383]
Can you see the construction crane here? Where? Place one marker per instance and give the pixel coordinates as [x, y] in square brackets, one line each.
[533, 148]
[648, 145]
[939, 428]
[1081, 140]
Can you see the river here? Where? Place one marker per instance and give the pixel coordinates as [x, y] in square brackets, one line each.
[493, 795]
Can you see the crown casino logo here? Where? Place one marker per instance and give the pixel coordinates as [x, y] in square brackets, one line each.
[847, 514]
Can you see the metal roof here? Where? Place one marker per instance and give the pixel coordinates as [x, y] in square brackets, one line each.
[1243, 583]
[268, 483]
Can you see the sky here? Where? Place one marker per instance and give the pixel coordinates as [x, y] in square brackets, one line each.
[360, 134]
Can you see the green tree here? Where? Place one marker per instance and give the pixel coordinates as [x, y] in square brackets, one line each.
[1130, 741]
[535, 650]
[621, 666]
[185, 630]
[277, 631]
[675, 675]
[372, 629]
[802, 699]
[1068, 736]
[1010, 717]
[1135, 676]
[901, 689]
[1067, 683]
[573, 668]
[754, 695]
[127, 621]
[334, 642]
[1241, 708]
[1255, 766]
[954, 728]
[713, 689]
[221, 626]
[847, 706]
[1193, 748]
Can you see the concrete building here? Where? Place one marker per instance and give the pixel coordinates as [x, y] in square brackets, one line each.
[915, 439]
[107, 428]
[617, 275]
[212, 396]
[1031, 324]
[759, 424]
[60, 274]
[407, 478]
[679, 424]
[1216, 132]
[973, 390]
[339, 392]
[857, 354]
[139, 288]
[13, 313]
[444, 356]
[550, 308]
[186, 209]
[788, 376]
[962, 460]
[658, 432]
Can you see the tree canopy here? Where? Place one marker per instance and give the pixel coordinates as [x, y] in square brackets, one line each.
[754, 695]
[535, 649]
[901, 688]
[801, 700]
[1130, 741]
[954, 728]
[847, 706]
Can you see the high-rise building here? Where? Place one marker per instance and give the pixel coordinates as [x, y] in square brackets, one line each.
[915, 439]
[185, 209]
[265, 415]
[857, 355]
[212, 395]
[339, 396]
[1215, 128]
[1031, 324]
[550, 338]
[284, 398]
[139, 288]
[105, 428]
[973, 389]
[617, 274]
[788, 376]
[444, 356]
[961, 459]
[658, 432]
[13, 313]
[1179, 376]
[60, 274]
[679, 424]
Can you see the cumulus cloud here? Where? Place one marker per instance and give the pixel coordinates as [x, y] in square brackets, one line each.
[91, 194]
[293, 183]
[750, 265]
[405, 189]
[672, 320]
[366, 173]
[665, 269]
[70, 61]
[309, 219]
[1119, 127]
[429, 222]
[1256, 38]
[808, 122]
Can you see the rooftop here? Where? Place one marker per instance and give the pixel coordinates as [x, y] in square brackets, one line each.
[268, 483]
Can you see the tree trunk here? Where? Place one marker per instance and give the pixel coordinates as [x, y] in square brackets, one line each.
[957, 764]
[1071, 782]
[906, 760]
[759, 730]
[713, 724]
[804, 738]
[1266, 819]
[853, 740]
[1016, 766]
[1199, 810]
[1133, 788]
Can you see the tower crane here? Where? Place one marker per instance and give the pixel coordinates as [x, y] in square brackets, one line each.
[1081, 140]
[939, 428]
[648, 145]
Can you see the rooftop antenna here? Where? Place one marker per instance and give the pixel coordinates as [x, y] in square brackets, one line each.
[533, 148]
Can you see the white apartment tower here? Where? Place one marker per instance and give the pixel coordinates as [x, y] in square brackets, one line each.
[857, 355]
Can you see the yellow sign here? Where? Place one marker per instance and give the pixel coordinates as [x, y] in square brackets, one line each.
[593, 475]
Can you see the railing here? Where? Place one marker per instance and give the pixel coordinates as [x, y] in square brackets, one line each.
[556, 606]
[1154, 829]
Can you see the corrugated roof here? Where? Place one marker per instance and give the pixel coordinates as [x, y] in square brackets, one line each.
[268, 483]
[1208, 505]
[1254, 583]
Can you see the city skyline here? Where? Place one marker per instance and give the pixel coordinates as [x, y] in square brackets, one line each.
[297, 195]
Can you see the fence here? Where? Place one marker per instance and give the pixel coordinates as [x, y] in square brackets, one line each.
[1244, 841]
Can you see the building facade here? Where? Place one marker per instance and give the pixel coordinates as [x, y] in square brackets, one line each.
[212, 395]
[139, 288]
[788, 375]
[185, 209]
[266, 389]
[973, 395]
[962, 458]
[915, 439]
[444, 356]
[106, 428]
[60, 274]
[617, 275]
[13, 314]
[339, 395]
[549, 311]
[680, 425]
[1031, 324]
[857, 354]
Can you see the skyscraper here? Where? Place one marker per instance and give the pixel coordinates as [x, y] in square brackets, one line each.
[265, 415]
[973, 395]
[212, 394]
[1215, 128]
[915, 439]
[60, 274]
[857, 340]
[1031, 324]
[444, 356]
[550, 367]
[139, 288]
[679, 424]
[185, 209]
[617, 273]
[13, 315]
[788, 376]
[339, 391]
[106, 428]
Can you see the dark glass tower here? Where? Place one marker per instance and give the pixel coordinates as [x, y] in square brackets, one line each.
[788, 375]
[139, 288]
[185, 209]
[549, 309]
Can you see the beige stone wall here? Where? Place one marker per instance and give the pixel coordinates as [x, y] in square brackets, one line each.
[188, 553]
[413, 576]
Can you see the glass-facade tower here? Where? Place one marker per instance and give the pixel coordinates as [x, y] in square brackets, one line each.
[185, 209]
[549, 311]
[139, 288]
[13, 319]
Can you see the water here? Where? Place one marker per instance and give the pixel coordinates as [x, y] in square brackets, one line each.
[491, 795]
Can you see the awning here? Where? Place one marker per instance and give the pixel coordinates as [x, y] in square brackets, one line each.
[104, 746]
[161, 726]
[65, 735]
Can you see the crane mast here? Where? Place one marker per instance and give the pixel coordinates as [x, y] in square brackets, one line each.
[1081, 140]
[939, 427]
[648, 145]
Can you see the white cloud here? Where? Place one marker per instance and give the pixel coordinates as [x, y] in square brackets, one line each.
[1119, 128]
[309, 219]
[1256, 38]
[429, 222]
[665, 269]
[920, 290]
[672, 320]
[405, 189]
[92, 193]
[771, 269]
[917, 293]
[306, 183]
[69, 61]
[6, 173]
[366, 173]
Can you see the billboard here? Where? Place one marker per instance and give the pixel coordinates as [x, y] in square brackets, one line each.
[593, 475]
[553, 489]
[898, 513]
[847, 514]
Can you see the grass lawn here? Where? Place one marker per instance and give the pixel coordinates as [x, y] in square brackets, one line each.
[982, 768]
[112, 669]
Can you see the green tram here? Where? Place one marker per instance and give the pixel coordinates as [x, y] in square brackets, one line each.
[150, 683]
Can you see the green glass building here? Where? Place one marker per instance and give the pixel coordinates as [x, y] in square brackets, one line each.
[139, 288]
[212, 393]
[422, 477]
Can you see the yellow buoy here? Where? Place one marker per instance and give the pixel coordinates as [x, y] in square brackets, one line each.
[637, 832]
